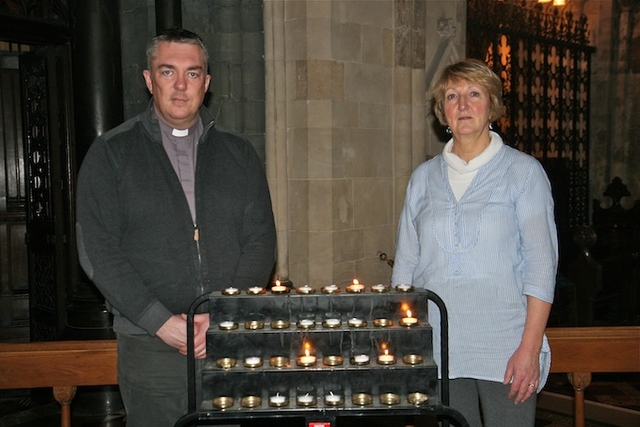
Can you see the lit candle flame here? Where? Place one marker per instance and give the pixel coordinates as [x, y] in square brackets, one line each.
[277, 282]
[386, 352]
[355, 281]
[409, 313]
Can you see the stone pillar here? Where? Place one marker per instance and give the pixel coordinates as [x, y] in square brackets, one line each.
[168, 14]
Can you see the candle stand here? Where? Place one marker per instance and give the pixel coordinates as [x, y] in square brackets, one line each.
[319, 359]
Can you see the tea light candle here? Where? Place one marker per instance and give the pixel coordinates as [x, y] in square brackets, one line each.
[307, 359]
[252, 362]
[255, 290]
[306, 399]
[331, 323]
[409, 320]
[228, 325]
[386, 358]
[279, 288]
[380, 288]
[230, 291]
[331, 289]
[332, 399]
[360, 359]
[404, 288]
[305, 289]
[278, 400]
[355, 287]
[306, 323]
[356, 322]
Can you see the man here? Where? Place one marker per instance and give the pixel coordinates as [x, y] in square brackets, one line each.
[170, 208]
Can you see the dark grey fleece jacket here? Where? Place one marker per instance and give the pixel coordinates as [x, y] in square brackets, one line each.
[136, 238]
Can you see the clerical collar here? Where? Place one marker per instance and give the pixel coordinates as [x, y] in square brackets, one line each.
[180, 132]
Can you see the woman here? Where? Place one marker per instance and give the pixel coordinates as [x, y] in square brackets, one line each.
[477, 228]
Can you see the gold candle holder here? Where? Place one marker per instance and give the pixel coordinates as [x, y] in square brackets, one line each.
[228, 325]
[417, 398]
[412, 359]
[330, 289]
[356, 287]
[306, 360]
[306, 400]
[389, 399]
[409, 321]
[279, 288]
[254, 324]
[360, 359]
[251, 401]
[306, 324]
[356, 322]
[380, 288]
[332, 360]
[279, 361]
[386, 359]
[383, 323]
[306, 290]
[332, 399]
[222, 402]
[255, 290]
[405, 288]
[252, 362]
[226, 363]
[332, 323]
[362, 399]
[280, 324]
[230, 291]
[278, 400]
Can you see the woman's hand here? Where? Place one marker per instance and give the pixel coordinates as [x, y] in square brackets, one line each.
[523, 372]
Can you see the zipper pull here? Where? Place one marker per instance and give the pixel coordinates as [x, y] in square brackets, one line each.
[196, 234]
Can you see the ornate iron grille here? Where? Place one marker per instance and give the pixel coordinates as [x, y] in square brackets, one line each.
[544, 60]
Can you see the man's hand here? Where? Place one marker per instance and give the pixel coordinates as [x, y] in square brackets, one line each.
[174, 333]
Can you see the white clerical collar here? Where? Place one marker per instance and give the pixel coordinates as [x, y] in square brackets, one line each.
[180, 132]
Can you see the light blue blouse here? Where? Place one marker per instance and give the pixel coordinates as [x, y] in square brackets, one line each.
[482, 255]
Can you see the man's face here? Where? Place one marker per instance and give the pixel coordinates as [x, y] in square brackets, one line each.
[177, 80]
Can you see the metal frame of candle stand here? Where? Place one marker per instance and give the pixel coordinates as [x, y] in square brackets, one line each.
[196, 418]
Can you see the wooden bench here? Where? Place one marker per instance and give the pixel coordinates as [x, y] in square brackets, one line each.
[64, 365]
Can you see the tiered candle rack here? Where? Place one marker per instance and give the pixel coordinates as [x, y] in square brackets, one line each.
[317, 354]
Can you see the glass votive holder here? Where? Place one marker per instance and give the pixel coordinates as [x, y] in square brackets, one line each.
[230, 290]
[255, 290]
[380, 288]
[225, 363]
[306, 321]
[278, 397]
[306, 395]
[305, 290]
[405, 288]
[280, 324]
[332, 320]
[330, 289]
[254, 321]
[279, 361]
[252, 362]
[412, 359]
[417, 398]
[222, 402]
[333, 395]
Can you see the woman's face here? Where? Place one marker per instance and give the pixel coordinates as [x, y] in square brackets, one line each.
[466, 108]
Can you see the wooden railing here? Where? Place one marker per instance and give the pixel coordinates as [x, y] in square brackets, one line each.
[65, 365]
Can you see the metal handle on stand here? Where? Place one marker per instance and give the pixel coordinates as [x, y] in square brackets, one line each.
[444, 349]
[191, 357]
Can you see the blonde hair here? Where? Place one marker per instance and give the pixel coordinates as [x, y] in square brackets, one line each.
[474, 71]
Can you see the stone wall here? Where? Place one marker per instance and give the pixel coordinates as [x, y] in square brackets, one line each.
[346, 125]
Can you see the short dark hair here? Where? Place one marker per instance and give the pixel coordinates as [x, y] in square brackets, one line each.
[176, 35]
[472, 70]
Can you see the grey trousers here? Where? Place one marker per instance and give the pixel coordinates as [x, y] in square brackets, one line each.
[153, 381]
[487, 401]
